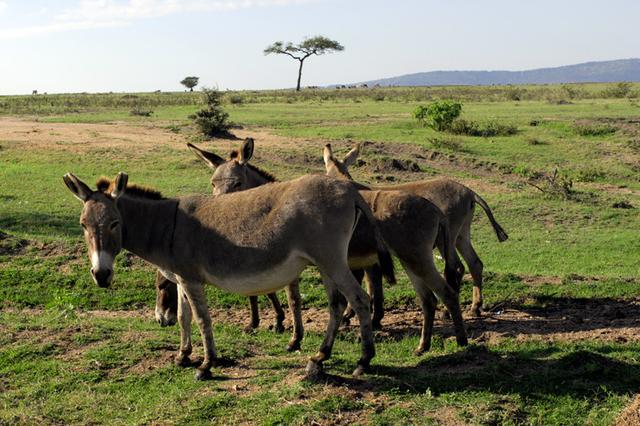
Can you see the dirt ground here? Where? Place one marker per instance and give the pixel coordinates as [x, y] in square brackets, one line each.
[402, 164]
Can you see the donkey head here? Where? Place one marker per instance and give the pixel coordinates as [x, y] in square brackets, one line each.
[100, 220]
[234, 174]
[337, 168]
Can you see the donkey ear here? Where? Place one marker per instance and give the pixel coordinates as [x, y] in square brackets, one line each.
[327, 155]
[77, 187]
[119, 185]
[210, 158]
[246, 152]
[351, 156]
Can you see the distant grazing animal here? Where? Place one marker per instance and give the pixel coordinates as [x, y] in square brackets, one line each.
[250, 242]
[457, 202]
[410, 222]
[35, 92]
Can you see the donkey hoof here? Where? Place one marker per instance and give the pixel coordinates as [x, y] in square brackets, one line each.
[293, 346]
[359, 371]
[462, 341]
[182, 361]
[376, 325]
[420, 350]
[203, 374]
[313, 370]
[279, 328]
[475, 311]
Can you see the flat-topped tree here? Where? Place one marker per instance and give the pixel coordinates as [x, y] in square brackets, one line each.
[190, 82]
[317, 45]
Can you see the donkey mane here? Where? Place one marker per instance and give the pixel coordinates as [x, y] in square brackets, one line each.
[235, 154]
[106, 185]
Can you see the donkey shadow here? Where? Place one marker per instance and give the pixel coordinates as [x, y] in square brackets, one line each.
[546, 316]
[533, 373]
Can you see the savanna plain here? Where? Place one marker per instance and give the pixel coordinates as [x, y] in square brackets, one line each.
[557, 342]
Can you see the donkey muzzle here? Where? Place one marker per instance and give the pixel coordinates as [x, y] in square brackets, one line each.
[102, 277]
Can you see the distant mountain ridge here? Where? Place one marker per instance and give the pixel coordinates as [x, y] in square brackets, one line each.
[588, 72]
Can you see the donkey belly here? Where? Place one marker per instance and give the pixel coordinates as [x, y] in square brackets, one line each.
[260, 281]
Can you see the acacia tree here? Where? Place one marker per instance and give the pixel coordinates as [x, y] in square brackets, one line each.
[190, 82]
[317, 45]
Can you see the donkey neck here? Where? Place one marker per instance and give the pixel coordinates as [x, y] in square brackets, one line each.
[148, 228]
[257, 177]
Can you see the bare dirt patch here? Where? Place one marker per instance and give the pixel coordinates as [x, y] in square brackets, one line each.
[575, 320]
[81, 138]
[631, 414]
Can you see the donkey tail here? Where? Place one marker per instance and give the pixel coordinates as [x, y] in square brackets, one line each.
[443, 240]
[384, 257]
[502, 235]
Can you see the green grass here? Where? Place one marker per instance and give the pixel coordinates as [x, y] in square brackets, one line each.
[57, 360]
[83, 369]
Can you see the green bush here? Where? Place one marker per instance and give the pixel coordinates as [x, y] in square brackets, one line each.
[450, 144]
[593, 129]
[438, 115]
[212, 120]
[620, 90]
[488, 129]
[140, 112]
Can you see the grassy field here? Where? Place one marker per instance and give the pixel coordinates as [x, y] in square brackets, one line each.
[557, 343]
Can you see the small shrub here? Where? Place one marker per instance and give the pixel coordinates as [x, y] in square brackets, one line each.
[620, 90]
[140, 112]
[589, 175]
[450, 144]
[534, 123]
[514, 93]
[525, 171]
[557, 185]
[535, 141]
[488, 129]
[593, 129]
[622, 204]
[378, 97]
[438, 115]
[236, 100]
[212, 120]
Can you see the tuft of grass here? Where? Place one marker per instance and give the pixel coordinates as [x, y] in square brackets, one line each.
[585, 128]
[486, 129]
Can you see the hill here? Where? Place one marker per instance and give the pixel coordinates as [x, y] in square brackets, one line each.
[588, 72]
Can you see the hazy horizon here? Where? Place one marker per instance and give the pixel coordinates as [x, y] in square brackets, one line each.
[147, 45]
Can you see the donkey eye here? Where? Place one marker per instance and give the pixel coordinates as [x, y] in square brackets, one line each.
[114, 225]
[237, 185]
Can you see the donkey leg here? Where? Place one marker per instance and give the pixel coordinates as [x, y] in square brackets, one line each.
[373, 276]
[451, 300]
[184, 319]
[426, 274]
[255, 314]
[279, 328]
[295, 306]
[337, 304]
[428, 303]
[198, 301]
[349, 312]
[475, 268]
[358, 298]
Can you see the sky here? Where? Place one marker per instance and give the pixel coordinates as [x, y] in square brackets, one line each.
[146, 45]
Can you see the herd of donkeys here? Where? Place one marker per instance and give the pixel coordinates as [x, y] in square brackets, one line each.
[255, 235]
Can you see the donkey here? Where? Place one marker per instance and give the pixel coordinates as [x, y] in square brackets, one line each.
[457, 202]
[251, 242]
[411, 223]
[237, 174]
